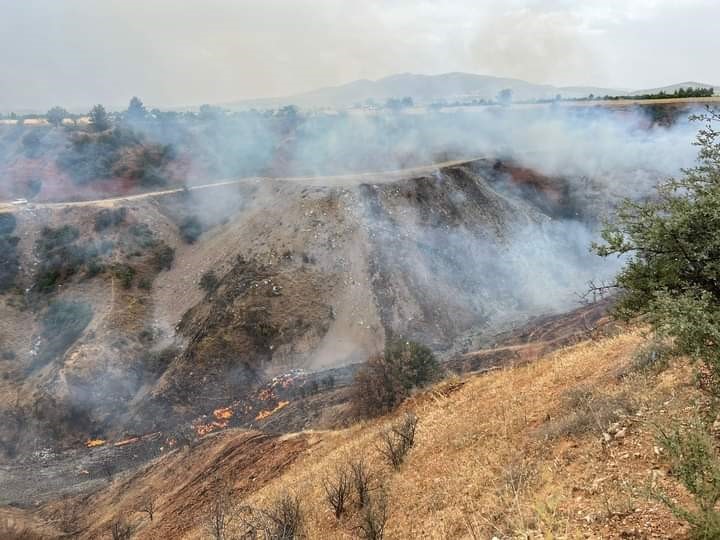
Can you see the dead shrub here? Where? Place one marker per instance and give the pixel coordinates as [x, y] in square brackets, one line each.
[120, 529]
[374, 519]
[147, 506]
[69, 516]
[362, 480]
[654, 357]
[397, 441]
[11, 531]
[221, 514]
[282, 521]
[337, 490]
[586, 410]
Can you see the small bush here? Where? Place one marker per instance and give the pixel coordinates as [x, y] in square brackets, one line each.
[654, 357]
[125, 274]
[60, 257]
[696, 464]
[62, 324]
[328, 382]
[190, 229]
[120, 529]
[220, 515]
[142, 236]
[585, 410]
[145, 283]
[163, 257]
[156, 362]
[374, 519]
[209, 282]
[282, 521]
[11, 531]
[109, 217]
[389, 379]
[397, 441]
[362, 479]
[147, 506]
[51, 238]
[94, 268]
[8, 222]
[337, 490]
[9, 262]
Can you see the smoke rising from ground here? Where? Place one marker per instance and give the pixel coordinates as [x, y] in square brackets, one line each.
[465, 249]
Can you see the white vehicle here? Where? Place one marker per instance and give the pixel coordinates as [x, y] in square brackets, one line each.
[19, 201]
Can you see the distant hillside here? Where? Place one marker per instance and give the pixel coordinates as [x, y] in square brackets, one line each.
[424, 89]
[673, 87]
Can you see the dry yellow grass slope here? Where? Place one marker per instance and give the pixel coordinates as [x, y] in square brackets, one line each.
[560, 448]
[518, 453]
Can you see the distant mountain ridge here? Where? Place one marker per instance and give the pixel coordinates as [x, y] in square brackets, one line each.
[425, 89]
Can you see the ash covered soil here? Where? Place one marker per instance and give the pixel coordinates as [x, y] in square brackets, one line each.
[187, 308]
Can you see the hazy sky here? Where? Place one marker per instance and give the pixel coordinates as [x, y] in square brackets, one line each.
[176, 52]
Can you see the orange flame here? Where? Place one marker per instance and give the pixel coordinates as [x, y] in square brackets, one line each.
[127, 441]
[225, 413]
[264, 414]
[93, 443]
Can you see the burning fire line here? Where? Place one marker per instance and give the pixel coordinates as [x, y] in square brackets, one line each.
[222, 419]
[264, 414]
[94, 443]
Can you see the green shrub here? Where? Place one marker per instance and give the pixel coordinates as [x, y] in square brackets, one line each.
[389, 379]
[190, 229]
[163, 257]
[125, 274]
[109, 217]
[9, 262]
[696, 464]
[145, 283]
[62, 324]
[209, 282]
[8, 222]
[60, 257]
[142, 236]
[671, 243]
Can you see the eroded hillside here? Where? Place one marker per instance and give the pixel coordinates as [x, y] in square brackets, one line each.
[128, 316]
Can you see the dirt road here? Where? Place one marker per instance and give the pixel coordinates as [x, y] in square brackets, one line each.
[333, 180]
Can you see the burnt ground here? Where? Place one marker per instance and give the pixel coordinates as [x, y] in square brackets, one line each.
[290, 402]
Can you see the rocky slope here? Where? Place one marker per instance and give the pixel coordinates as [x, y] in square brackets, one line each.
[306, 274]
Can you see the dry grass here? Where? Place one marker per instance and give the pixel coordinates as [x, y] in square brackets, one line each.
[488, 459]
[479, 468]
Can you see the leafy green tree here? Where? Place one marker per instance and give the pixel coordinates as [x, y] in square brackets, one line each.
[388, 379]
[672, 247]
[136, 110]
[505, 96]
[99, 119]
[56, 115]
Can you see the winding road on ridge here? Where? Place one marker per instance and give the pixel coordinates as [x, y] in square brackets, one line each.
[341, 179]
